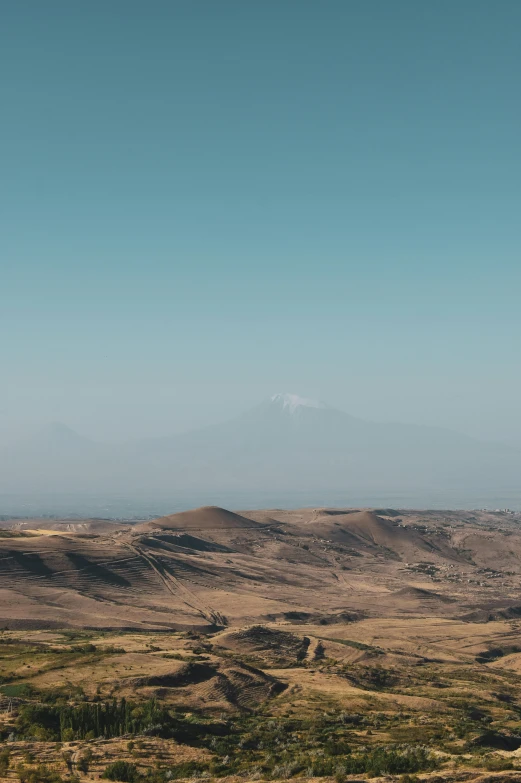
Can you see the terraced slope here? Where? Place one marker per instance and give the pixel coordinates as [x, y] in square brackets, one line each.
[224, 569]
[214, 685]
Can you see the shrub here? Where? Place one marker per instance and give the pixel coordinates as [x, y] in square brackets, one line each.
[4, 761]
[39, 774]
[187, 769]
[83, 765]
[67, 757]
[121, 770]
[498, 764]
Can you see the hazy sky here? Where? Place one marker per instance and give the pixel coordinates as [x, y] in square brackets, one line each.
[203, 203]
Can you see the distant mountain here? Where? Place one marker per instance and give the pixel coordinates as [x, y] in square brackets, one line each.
[286, 443]
[56, 437]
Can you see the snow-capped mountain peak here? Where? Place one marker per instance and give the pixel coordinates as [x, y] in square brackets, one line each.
[292, 402]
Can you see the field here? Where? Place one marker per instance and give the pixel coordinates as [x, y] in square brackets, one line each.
[341, 644]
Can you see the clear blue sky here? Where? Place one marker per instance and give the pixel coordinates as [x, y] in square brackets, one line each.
[205, 202]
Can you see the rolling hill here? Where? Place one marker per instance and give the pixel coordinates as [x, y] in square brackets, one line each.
[210, 568]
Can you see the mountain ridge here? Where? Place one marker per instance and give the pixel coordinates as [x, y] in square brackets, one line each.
[286, 442]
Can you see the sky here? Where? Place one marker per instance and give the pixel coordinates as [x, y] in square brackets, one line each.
[203, 203]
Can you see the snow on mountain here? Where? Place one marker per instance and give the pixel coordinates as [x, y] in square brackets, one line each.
[292, 402]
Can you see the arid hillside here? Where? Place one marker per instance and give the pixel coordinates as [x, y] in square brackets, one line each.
[211, 568]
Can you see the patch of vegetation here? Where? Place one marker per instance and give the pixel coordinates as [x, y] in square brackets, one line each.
[20, 690]
[352, 643]
[71, 635]
[245, 745]
[65, 723]
[39, 774]
[122, 770]
[187, 658]
[377, 761]
[497, 764]
[15, 534]
[496, 739]
[494, 653]
[373, 677]
[4, 761]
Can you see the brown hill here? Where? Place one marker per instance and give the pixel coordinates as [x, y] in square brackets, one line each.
[420, 594]
[211, 568]
[367, 531]
[364, 526]
[270, 645]
[204, 518]
[213, 685]
[80, 526]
